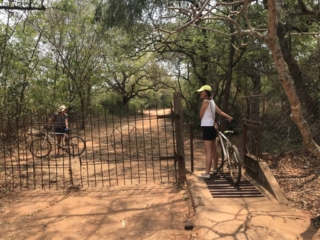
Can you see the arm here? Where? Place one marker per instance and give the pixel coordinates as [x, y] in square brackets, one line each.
[67, 123]
[51, 119]
[223, 114]
[203, 108]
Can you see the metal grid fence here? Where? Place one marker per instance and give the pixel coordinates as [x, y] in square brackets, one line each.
[120, 150]
[273, 131]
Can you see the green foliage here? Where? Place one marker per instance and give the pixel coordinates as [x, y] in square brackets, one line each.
[77, 50]
[66, 6]
[125, 14]
[112, 103]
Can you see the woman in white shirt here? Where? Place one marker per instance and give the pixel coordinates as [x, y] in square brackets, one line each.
[209, 133]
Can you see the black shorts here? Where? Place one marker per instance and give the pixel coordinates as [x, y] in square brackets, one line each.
[60, 130]
[209, 133]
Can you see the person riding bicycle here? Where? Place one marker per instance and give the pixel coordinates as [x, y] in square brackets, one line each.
[60, 122]
[207, 115]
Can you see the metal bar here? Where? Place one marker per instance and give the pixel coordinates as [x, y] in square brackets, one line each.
[107, 141]
[4, 153]
[93, 149]
[70, 170]
[99, 142]
[174, 141]
[26, 151]
[144, 143]
[166, 143]
[82, 126]
[159, 147]
[164, 116]
[167, 157]
[129, 144]
[136, 141]
[122, 151]
[179, 136]
[115, 150]
[251, 121]
[191, 146]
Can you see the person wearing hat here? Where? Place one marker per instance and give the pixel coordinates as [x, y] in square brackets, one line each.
[209, 133]
[60, 122]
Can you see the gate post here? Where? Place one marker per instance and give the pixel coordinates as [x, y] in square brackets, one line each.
[178, 121]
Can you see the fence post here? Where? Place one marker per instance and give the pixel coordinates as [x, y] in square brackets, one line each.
[178, 120]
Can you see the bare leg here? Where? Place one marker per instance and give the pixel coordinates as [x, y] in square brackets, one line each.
[59, 139]
[208, 149]
[214, 153]
[66, 142]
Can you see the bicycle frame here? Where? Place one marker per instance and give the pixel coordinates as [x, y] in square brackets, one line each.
[230, 155]
[42, 146]
[51, 136]
[225, 143]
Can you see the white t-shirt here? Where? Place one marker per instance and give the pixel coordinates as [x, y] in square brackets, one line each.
[209, 115]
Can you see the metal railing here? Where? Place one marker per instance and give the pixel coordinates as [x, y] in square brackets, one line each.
[120, 150]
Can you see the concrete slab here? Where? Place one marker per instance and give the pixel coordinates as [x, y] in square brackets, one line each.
[246, 218]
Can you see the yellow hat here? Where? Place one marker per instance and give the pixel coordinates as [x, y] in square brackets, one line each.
[204, 87]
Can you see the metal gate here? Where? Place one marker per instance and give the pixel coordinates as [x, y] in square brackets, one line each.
[128, 148]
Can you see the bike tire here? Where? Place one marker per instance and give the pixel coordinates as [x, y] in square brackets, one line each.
[40, 147]
[220, 155]
[76, 146]
[235, 165]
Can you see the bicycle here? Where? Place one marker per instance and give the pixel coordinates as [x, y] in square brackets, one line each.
[42, 146]
[228, 153]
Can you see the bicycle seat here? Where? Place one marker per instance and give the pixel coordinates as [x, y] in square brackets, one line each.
[228, 132]
[58, 133]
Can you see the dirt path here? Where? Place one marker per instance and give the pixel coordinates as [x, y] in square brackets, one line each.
[145, 211]
[133, 212]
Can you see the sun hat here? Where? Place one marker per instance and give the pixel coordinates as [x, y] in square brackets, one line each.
[204, 87]
[62, 108]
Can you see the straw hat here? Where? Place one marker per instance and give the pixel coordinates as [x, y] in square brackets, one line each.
[62, 108]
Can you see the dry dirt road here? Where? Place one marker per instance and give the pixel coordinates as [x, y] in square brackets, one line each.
[133, 212]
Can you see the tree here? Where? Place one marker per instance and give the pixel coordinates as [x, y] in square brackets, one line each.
[267, 32]
[133, 78]
[251, 21]
[19, 63]
[76, 51]
[28, 5]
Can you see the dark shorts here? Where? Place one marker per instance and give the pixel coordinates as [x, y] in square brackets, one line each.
[60, 130]
[209, 133]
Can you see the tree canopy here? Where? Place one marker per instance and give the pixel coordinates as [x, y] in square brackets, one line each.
[92, 53]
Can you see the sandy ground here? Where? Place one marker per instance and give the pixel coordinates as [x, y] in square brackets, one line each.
[144, 211]
[133, 212]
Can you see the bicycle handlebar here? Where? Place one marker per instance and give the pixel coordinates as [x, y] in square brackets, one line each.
[219, 123]
[226, 131]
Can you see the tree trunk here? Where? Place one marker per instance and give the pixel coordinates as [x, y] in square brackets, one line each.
[229, 73]
[294, 69]
[274, 7]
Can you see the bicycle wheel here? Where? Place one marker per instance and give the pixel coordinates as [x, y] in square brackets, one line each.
[234, 165]
[126, 138]
[220, 154]
[76, 146]
[40, 147]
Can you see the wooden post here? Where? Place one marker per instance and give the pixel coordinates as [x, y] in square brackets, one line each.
[178, 121]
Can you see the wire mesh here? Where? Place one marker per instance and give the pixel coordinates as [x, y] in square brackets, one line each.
[279, 133]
